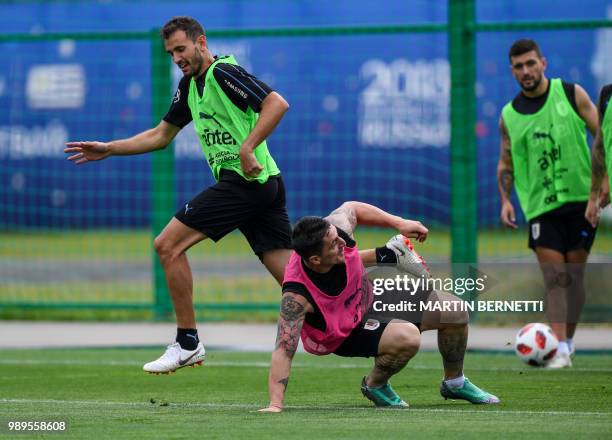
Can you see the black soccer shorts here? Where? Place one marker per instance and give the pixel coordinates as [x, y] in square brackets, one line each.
[563, 229]
[257, 210]
[364, 339]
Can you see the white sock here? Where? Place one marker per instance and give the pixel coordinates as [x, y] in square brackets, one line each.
[570, 344]
[457, 382]
[563, 348]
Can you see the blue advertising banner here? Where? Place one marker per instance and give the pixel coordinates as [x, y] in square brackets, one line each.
[369, 117]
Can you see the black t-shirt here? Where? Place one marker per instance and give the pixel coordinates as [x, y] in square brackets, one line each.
[528, 106]
[332, 283]
[604, 99]
[242, 88]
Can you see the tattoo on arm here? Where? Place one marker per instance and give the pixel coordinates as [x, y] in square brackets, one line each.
[599, 167]
[506, 181]
[505, 168]
[285, 382]
[289, 325]
[344, 218]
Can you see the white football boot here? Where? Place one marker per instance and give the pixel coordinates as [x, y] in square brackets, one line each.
[408, 260]
[174, 358]
[560, 360]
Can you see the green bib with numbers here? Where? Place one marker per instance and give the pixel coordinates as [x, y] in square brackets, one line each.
[550, 155]
[222, 127]
[606, 131]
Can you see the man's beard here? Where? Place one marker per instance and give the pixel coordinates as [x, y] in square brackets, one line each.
[196, 64]
[536, 83]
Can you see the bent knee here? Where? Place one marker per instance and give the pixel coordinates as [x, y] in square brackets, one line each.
[159, 243]
[164, 248]
[406, 338]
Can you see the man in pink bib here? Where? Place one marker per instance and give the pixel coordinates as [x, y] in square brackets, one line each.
[327, 300]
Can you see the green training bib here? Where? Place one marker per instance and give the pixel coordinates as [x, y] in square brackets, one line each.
[222, 127]
[550, 155]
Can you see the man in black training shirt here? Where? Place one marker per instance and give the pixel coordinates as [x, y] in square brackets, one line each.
[233, 113]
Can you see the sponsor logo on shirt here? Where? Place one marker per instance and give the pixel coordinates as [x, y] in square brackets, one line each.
[212, 117]
[217, 137]
[236, 89]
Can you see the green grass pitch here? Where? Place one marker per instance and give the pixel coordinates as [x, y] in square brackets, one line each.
[103, 393]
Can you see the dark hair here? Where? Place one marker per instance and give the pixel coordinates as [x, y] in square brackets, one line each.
[308, 233]
[192, 28]
[523, 46]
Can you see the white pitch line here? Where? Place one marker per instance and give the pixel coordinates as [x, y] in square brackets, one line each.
[212, 363]
[254, 406]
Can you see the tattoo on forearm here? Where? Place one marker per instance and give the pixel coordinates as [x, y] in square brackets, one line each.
[285, 382]
[289, 325]
[506, 180]
[505, 167]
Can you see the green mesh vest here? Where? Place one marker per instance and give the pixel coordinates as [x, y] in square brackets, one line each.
[222, 127]
[606, 131]
[550, 155]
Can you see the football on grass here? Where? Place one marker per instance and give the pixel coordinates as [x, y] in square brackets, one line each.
[536, 344]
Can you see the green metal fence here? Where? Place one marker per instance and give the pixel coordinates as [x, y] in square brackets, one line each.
[462, 30]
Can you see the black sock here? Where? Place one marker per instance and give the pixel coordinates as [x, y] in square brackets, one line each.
[187, 338]
[384, 255]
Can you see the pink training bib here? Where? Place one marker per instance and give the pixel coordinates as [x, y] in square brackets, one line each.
[342, 313]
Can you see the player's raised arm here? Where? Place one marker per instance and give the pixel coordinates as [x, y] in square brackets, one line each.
[505, 177]
[351, 214]
[292, 313]
[150, 140]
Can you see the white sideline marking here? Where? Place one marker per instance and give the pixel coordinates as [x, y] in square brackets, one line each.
[212, 363]
[254, 406]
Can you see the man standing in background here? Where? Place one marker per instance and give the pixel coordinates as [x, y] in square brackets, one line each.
[602, 159]
[545, 156]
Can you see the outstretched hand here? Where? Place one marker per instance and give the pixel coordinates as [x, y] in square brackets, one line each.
[87, 151]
